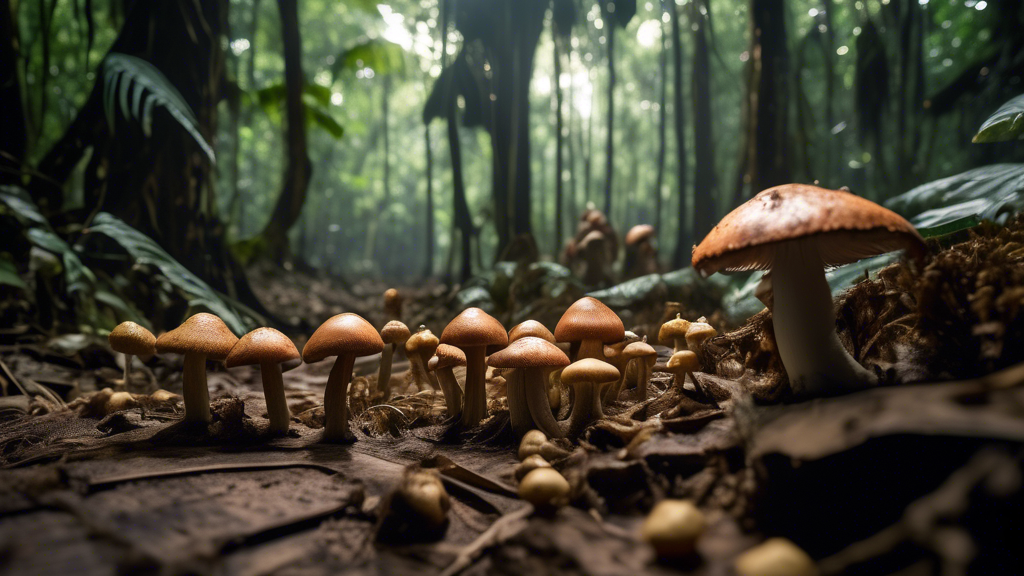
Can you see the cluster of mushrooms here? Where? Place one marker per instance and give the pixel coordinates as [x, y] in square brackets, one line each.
[594, 249]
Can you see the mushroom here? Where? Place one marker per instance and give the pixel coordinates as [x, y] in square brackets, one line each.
[441, 364]
[683, 363]
[473, 331]
[119, 401]
[536, 442]
[393, 304]
[546, 489]
[586, 377]
[420, 347]
[268, 349]
[796, 231]
[645, 357]
[418, 508]
[529, 464]
[775, 557]
[130, 339]
[595, 259]
[590, 323]
[530, 359]
[530, 328]
[672, 528]
[200, 338]
[674, 331]
[346, 336]
[641, 256]
[698, 333]
[394, 334]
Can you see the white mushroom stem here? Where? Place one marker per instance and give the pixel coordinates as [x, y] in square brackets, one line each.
[336, 400]
[528, 403]
[643, 379]
[585, 409]
[127, 367]
[419, 371]
[475, 407]
[384, 374]
[805, 327]
[679, 344]
[194, 390]
[591, 349]
[450, 388]
[273, 393]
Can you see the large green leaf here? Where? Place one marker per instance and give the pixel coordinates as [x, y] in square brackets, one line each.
[1006, 124]
[991, 192]
[9, 274]
[22, 205]
[382, 56]
[317, 100]
[131, 78]
[198, 292]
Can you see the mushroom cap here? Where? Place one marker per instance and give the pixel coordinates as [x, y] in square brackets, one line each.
[545, 488]
[589, 319]
[593, 237]
[674, 328]
[531, 443]
[130, 338]
[589, 370]
[203, 334]
[422, 340]
[846, 227]
[392, 299]
[683, 361]
[639, 233]
[474, 327]
[529, 464]
[342, 334]
[446, 356]
[639, 350]
[530, 328]
[775, 557]
[424, 494]
[673, 527]
[395, 332]
[699, 331]
[262, 345]
[529, 352]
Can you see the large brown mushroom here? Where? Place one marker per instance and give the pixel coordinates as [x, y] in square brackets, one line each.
[473, 331]
[200, 338]
[346, 336]
[528, 405]
[796, 231]
[592, 324]
[268, 349]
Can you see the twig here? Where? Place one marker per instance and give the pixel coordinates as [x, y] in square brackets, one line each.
[502, 528]
[104, 483]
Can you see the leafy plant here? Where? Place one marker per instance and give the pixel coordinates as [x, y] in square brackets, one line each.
[382, 56]
[317, 100]
[990, 192]
[1006, 124]
[131, 78]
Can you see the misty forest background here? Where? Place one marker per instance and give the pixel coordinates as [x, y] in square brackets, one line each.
[414, 139]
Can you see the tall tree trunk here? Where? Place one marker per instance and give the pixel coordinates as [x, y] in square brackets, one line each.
[768, 97]
[14, 136]
[298, 169]
[559, 167]
[659, 181]
[462, 219]
[828, 47]
[609, 161]
[245, 115]
[428, 264]
[573, 208]
[681, 256]
[381, 254]
[704, 192]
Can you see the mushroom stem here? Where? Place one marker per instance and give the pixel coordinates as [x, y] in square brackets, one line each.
[585, 409]
[384, 374]
[538, 402]
[127, 368]
[451, 389]
[642, 380]
[474, 408]
[419, 372]
[804, 321]
[336, 400]
[273, 393]
[194, 390]
[591, 349]
[612, 393]
[431, 377]
[518, 410]
[679, 344]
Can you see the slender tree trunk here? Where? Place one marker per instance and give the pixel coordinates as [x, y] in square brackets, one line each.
[659, 182]
[298, 168]
[381, 254]
[828, 46]
[573, 209]
[609, 161]
[245, 116]
[428, 266]
[559, 216]
[704, 192]
[768, 96]
[588, 155]
[14, 136]
[681, 257]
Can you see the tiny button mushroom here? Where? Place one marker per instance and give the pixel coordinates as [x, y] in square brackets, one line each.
[346, 336]
[628, 353]
[441, 364]
[531, 463]
[672, 528]
[698, 333]
[546, 489]
[528, 403]
[418, 508]
[536, 442]
[132, 340]
[674, 331]
[586, 377]
[644, 357]
[683, 363]
[119, 401]
[267, 348]
[592, 324]
[201, 337]
[420, 347]
[394, 334]
[775, 557]
[473, 331]
[393, 304]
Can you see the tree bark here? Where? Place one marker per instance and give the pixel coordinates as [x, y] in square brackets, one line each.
[704, 192]
[659, 182]
[298, 170]
[768, 96]
[428, 264]
[681, 257]
[14, 136]
[609, 151]
[559, 167]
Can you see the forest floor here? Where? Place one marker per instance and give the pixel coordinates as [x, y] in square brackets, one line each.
[920, 476]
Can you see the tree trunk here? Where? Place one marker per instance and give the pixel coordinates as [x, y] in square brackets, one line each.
[659, 182]
[609, 161]
[559, 216]
[704, 192]
[428, 265]
[768, 96]
[681, 257]
[14, 136]
[299, 168]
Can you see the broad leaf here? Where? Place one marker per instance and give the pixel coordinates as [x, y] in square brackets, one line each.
[991, 192]
[139, 86]
[317, 100]
[1006, 124]
[382, 56]
[21, 204]
[9, 274]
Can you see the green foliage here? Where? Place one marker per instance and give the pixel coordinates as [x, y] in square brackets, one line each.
[993, 192]
[126, 76]
[382, 56]
[619, 12]
[198, 293]
[317, 101]
[1006, 124]
[9, 273]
